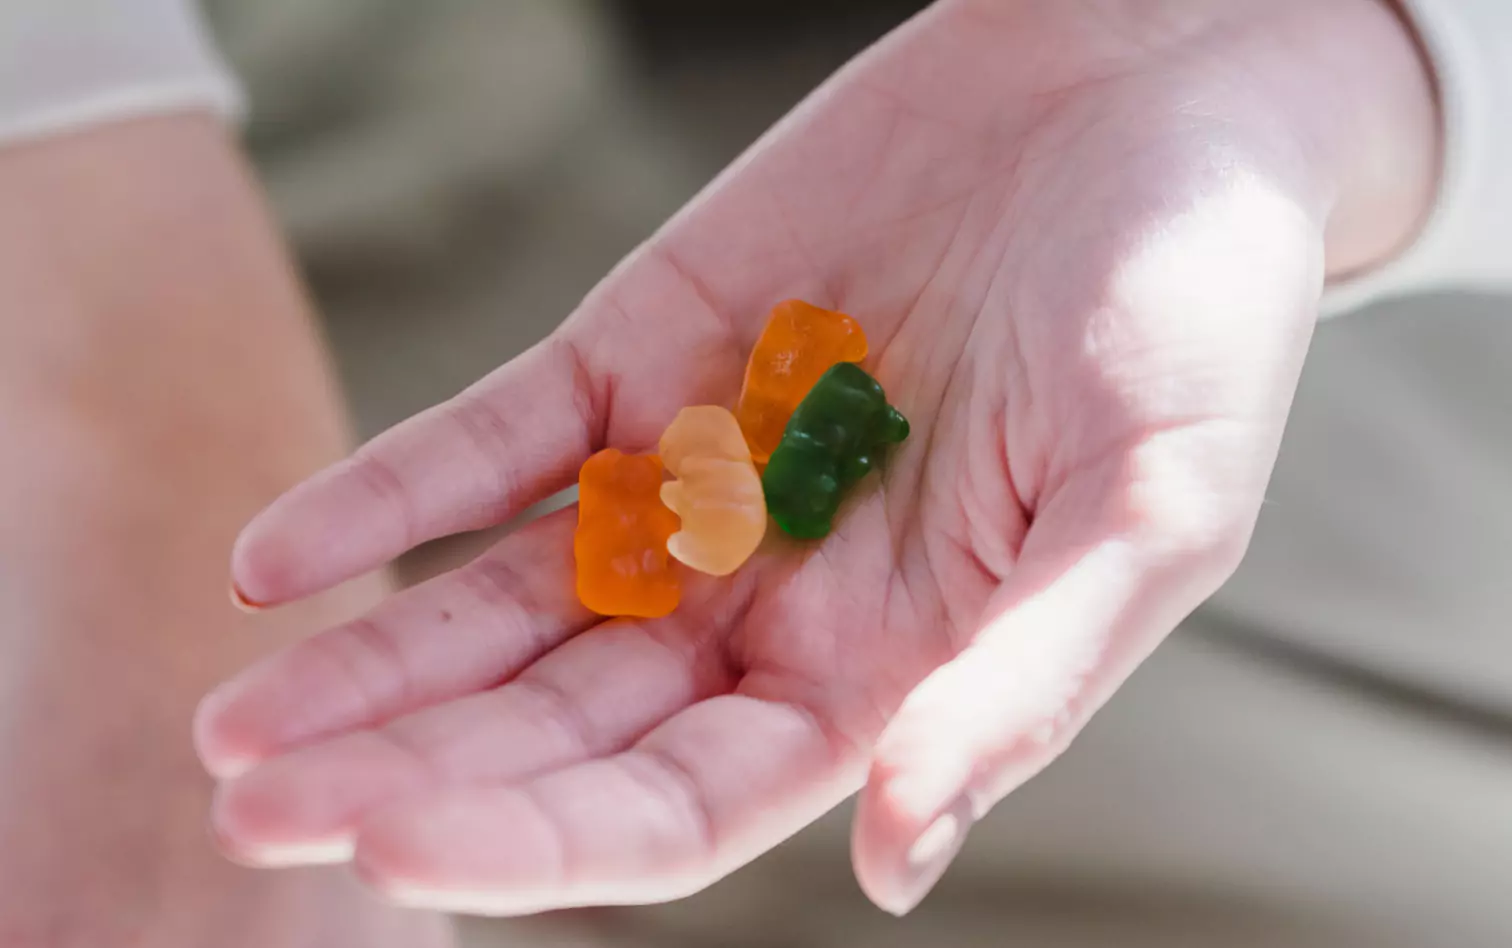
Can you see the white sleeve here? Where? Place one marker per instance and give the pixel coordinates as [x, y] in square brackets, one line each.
[1466, 244]
[67, 63]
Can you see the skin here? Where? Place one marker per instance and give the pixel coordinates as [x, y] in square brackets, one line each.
[1087, 241]
[146, 297]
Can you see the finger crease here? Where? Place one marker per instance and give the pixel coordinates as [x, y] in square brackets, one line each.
[386, 485]
[563, 712]
[494, 441]
[561, 850]
[413, 751]
[500, 593]
[590, 404]
[368, 647]
[673, 780]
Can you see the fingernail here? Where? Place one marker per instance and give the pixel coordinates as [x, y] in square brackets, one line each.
[240, 600]
[218, 762]
[331, 853]
[929, 856]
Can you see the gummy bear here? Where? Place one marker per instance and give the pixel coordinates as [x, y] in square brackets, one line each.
[621, 541]
[799, 343]
[717, 491]
[834, 438]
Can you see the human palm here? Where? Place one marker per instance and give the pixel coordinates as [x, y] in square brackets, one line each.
[1087, 261]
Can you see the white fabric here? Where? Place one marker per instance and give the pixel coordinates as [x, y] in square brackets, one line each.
[70, 63]
[1464, 245]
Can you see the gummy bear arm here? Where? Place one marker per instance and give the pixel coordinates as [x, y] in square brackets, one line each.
[673, 496]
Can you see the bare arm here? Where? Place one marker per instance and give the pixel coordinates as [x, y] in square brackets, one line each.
[159, 380]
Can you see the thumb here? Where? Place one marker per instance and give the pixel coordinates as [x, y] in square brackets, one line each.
[1109, 567]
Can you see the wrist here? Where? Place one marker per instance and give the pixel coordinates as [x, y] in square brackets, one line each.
[1333, 101]
[1361, 95]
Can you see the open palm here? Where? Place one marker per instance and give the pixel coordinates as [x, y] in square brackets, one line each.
[1087, 261]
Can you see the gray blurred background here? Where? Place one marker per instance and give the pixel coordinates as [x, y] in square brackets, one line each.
[1322, 759]
[457, 174]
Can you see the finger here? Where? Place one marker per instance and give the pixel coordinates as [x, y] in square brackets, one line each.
[593, 696]
[456, 634]
[512, 439]
[1106, 571]
[699, 796]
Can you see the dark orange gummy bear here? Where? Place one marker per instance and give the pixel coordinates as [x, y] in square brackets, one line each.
[799, 344]
[623, 567]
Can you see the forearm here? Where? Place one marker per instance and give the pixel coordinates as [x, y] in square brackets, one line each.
[1368, 103]
[159, 377]
[1466, 48]
[159, 382]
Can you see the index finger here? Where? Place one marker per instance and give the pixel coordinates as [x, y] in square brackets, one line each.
[667, 329]
[510, 440]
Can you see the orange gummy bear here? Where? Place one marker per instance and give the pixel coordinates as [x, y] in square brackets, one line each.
[623, 568]
[799, 344]
[717, 492]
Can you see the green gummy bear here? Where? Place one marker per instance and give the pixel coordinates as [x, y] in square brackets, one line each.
[834, 438]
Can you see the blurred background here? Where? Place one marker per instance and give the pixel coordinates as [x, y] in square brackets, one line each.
[455, 175]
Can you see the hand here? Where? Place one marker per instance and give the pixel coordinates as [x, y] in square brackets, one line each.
[1087, 241]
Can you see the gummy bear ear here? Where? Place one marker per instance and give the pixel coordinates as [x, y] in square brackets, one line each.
[894, 427]
[672, 496]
